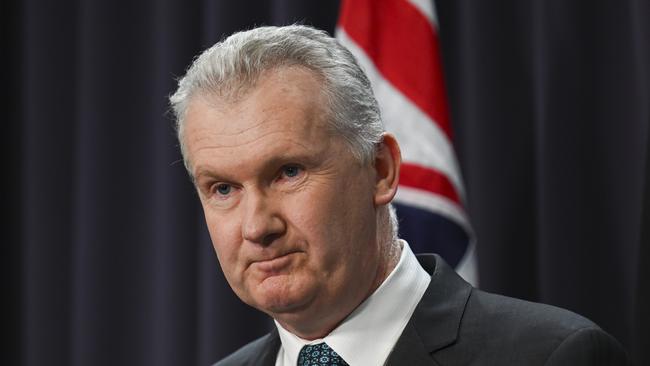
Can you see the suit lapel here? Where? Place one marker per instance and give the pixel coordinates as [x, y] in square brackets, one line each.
[410, 350]
[268, 350]
[436, 320]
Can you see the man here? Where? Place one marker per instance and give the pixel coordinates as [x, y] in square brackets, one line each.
[282, 136]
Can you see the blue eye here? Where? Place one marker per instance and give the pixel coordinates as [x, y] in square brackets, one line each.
[224, 189]
[291, 171]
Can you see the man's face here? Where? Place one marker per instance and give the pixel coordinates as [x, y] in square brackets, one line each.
[290, 211]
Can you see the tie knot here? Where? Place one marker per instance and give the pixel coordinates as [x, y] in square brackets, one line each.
[319, 355]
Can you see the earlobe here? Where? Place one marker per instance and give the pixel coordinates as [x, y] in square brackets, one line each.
[387, 163]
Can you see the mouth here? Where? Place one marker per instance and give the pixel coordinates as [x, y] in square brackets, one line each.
[274, 265]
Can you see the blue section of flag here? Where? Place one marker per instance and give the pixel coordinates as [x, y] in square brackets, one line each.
[428, 232]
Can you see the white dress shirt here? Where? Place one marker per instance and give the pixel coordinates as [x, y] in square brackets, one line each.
[368, 335]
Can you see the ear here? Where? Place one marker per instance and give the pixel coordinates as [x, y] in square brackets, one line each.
[387, 162]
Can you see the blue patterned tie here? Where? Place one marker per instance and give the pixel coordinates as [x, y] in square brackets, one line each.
[319, 355]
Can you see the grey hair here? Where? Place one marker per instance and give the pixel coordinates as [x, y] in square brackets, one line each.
[231, 67]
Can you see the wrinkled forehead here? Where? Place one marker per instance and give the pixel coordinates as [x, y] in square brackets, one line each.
[285, 105]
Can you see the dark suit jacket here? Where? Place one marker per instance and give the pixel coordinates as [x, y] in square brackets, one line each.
[456, 324]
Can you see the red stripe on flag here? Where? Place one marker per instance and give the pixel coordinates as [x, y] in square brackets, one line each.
[404, 47]
[416, 176]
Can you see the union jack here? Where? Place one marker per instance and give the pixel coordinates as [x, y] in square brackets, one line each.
[396, 42]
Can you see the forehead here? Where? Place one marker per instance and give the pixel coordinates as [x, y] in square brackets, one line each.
[285, 109]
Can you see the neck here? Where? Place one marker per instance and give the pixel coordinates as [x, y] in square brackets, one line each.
[320, 325]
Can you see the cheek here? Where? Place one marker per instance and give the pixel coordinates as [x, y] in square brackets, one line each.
[332, 222]
[226, 239]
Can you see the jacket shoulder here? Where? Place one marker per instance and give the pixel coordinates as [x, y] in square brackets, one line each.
[257, 352]
[516, 315]
[457, 324]
[532, 333]
[588, 346]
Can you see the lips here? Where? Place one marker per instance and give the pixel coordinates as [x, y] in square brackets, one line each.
[274, 264]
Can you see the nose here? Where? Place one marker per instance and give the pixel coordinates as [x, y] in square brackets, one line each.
[262, 220]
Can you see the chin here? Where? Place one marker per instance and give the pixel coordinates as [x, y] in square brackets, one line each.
[281, 298]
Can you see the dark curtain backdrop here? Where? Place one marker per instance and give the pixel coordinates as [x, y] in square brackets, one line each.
[106, 259]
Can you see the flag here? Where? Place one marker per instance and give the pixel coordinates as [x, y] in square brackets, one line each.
[396, 42]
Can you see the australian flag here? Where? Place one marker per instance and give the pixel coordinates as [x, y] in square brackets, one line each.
[397, 44]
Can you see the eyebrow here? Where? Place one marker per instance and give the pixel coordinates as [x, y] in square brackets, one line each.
[306, 159]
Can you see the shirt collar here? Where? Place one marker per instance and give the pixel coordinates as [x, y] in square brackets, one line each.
[369, 333]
